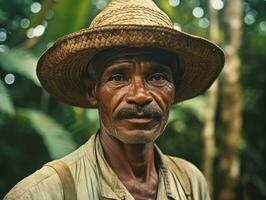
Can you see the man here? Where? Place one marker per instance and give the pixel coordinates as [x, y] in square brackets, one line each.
[132, 66]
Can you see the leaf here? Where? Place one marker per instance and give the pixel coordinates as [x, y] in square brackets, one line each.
[3, 16]
[56, 137]
[165, 6]
[196, 106]
[69, 16]
[86, 121]
[20, 61]
[6, 104]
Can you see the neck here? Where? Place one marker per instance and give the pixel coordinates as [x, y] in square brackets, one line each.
[129, 161]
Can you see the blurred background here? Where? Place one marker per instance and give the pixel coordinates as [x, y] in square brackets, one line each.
[222, 131]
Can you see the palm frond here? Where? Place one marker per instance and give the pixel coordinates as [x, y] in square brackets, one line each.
[63, 23]
[56, 137]
[20, 61]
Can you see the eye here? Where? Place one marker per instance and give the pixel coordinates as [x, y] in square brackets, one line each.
[118, 78]
[158, 79]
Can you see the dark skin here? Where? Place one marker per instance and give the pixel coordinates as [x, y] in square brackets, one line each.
[133, 95]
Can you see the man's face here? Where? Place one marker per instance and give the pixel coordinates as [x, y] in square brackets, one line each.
[134, 96]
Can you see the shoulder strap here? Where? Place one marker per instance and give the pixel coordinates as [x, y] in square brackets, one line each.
[182, 176]
[66, 179]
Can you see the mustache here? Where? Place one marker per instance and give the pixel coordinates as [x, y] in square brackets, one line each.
[135, 110]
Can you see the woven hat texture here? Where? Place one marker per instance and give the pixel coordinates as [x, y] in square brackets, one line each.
[127, 23]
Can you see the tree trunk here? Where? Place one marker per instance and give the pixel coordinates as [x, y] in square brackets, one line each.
[208, 138]
[231, 102]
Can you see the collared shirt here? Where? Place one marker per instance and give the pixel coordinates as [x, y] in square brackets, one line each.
[95, 179]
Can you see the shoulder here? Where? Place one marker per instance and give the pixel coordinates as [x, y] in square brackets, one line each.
[186, 170]
[45, 182]
[82, 162]
[84, 152]
[36, 186]
[191, 170]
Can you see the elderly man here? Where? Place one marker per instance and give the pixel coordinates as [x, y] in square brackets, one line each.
[132, 66]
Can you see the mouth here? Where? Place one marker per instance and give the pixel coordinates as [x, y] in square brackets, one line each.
[139, 120]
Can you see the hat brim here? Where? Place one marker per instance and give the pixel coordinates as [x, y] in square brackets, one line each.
[61, 69]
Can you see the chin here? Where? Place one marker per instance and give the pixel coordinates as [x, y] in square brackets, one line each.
[137, 136]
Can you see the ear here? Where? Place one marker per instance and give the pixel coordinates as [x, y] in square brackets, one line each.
[90, 91]
[174, 92]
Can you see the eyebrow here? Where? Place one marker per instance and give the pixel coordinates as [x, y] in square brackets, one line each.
[118, 66]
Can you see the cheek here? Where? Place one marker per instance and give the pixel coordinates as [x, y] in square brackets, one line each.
[102, 98]
[165, 96]
[110, 98]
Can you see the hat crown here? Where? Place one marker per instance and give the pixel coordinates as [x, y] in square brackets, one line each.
[132, 12]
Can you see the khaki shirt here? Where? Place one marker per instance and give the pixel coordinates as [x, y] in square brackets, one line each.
[95, 179]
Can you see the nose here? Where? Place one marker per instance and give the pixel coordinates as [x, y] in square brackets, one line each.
[138, 93]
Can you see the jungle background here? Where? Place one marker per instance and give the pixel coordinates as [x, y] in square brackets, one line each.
[222, 131]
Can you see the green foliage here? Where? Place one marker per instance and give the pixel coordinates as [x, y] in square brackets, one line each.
[68, 18]
[57, 138]
[196, 106]
[20, 61]
[6, 105]
[3, 15]
[85, 120]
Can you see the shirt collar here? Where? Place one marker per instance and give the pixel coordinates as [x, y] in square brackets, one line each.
[162, 166]
[168, 166]
[109, 184]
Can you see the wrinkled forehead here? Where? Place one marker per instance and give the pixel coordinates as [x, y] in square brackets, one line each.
[110, 56]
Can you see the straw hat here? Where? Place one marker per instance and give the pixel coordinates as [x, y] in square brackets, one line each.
[127, 23]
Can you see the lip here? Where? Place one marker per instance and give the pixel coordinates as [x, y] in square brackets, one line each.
[139, 120]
